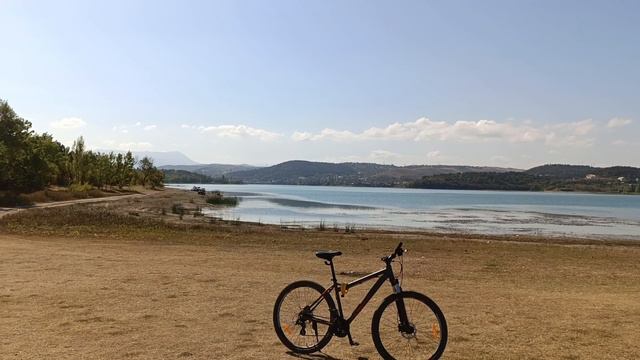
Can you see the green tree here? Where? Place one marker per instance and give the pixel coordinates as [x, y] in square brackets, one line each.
[149, 175]
[78, 162]
[15, 134]
[128, 169]
[146, 170]
[46, 162]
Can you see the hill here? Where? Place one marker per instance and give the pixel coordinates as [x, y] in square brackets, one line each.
[555, 177]
[298, 172]
[562, 171]
[212, 170]
[185, 177]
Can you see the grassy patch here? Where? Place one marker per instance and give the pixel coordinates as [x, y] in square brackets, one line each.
[75, 220]
[219, 199]
[53, 195]
[102, 221]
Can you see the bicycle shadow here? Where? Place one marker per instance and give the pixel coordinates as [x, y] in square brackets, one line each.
[318, 356]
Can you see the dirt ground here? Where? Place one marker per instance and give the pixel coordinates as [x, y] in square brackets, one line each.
[209, 294]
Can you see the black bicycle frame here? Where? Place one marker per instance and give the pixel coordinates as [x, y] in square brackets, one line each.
[382, 275]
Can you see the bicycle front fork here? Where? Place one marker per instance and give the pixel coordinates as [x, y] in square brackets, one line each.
[404, 325]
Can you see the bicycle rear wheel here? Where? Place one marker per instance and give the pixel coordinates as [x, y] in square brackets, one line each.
[300, 327]
[424, 338]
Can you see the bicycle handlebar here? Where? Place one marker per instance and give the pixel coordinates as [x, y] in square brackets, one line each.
[397, 252]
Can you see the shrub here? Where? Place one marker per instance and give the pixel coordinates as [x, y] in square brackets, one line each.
[95, 193]
[10, 199]
[59, 195]
[80, 187]
[37, 197]
[177, 209]
[219, 199]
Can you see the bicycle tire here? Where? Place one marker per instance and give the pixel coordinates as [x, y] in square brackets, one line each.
[277, 317]
[441, 330]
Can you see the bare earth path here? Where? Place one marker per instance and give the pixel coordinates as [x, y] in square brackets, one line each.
[6, 211]
[70, 298]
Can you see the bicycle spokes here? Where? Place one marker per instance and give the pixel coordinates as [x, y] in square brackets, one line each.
[302, 326]
[418, 338]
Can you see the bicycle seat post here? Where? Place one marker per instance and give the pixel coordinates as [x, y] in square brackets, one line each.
[333, 271]
[336, 285]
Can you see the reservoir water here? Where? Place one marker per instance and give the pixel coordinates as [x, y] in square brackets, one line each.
[487, 212]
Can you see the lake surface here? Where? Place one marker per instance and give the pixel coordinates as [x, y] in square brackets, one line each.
[488, 212]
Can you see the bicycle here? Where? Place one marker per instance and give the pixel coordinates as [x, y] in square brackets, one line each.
[305, 315]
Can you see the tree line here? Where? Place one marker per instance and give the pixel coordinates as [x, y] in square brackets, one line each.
[31, 161]
[524, 181]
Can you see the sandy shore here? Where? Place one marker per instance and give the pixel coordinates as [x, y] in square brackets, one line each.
[134, 286]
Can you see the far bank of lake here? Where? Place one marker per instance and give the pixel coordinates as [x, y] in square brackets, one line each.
[487, 212]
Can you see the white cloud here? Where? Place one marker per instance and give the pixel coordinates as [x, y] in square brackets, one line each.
[618, 122]
[570, 134]
[68, 123]
[301, 136]
[423, 129]
[240, 131]
[124, 129]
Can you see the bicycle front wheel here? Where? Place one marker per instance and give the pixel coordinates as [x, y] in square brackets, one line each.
[424, 337]
[303, 317]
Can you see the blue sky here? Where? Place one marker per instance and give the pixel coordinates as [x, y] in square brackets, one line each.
[507, 83]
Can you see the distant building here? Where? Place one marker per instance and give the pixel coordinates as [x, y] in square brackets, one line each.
[590, 176]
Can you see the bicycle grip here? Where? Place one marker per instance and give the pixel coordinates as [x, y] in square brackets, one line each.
[398, 250]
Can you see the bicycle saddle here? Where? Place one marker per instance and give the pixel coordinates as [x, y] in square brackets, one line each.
[328, 254]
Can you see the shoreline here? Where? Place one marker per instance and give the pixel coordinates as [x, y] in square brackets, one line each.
[527, 223]
[158, 208]
[419, 188]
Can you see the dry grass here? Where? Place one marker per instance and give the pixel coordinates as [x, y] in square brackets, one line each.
[189, 289]
[56, 194]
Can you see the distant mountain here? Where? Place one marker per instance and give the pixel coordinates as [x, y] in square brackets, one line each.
[161, 158]
[186, 177]
[212, 170]
[350, 174]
